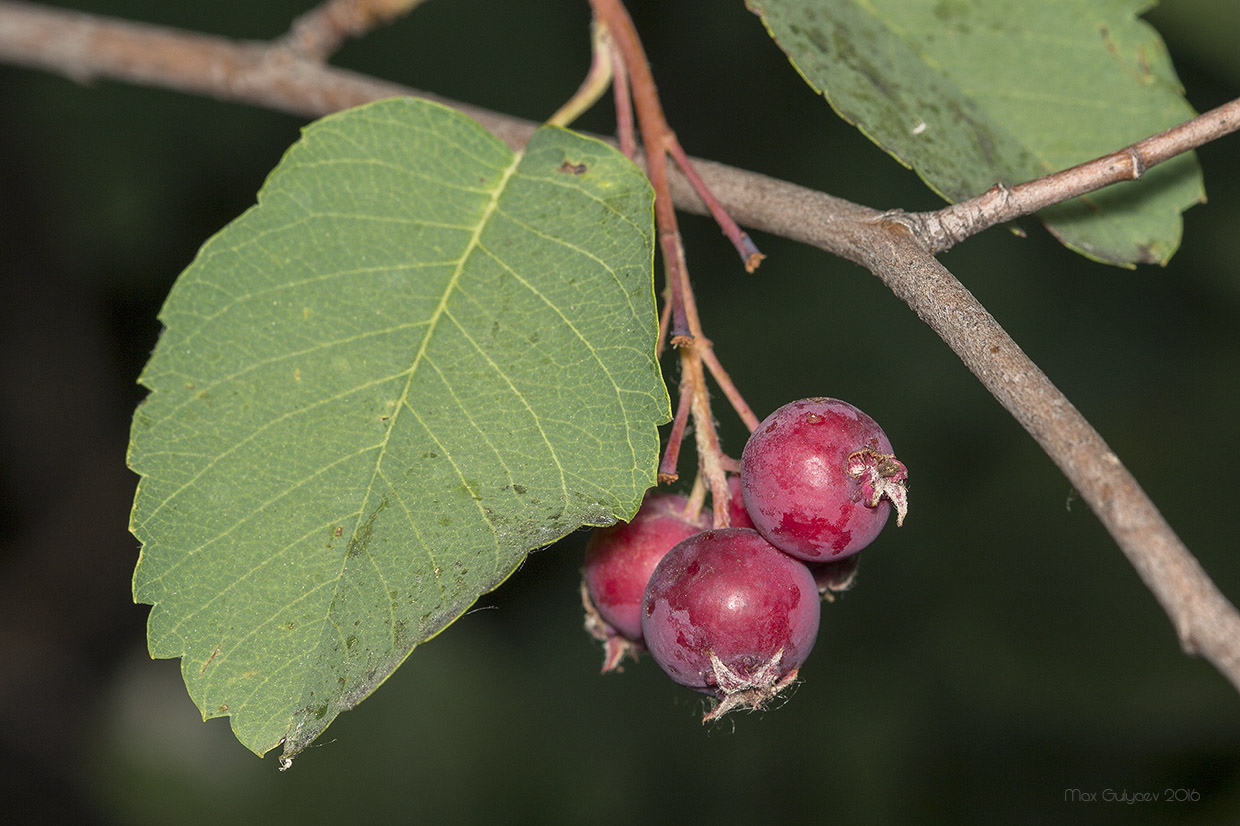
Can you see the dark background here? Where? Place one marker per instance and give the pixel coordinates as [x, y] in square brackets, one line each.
[997, 652]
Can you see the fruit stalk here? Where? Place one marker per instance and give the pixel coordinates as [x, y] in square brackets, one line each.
[685, 328]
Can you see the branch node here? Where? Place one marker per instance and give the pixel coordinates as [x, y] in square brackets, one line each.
[931, 229]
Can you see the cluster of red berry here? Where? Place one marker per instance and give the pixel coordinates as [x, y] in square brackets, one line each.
[733, 611]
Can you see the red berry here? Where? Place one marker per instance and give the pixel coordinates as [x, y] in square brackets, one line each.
[819, 479]
[619, 561]
[728, 614]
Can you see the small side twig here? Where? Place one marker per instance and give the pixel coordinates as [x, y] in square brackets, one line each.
[942, 229]
[320, 32]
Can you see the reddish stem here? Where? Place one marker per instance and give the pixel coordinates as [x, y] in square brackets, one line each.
[624, 102]
[667, 467]
[665, 319]
[729, 390]
[710, 455]
[745, 246]
[686, 327]
[678, 283]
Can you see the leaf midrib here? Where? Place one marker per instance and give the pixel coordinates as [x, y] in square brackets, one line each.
[402, 403]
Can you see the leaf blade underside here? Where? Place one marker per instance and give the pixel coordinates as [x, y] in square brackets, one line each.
[417, 358]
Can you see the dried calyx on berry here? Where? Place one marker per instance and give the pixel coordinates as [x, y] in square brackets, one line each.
[728, 614]
[819, 479]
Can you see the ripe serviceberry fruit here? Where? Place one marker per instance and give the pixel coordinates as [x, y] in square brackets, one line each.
[819, 479]
[726, 613]
[618, 564]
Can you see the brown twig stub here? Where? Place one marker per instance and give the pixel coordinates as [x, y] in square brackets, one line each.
[320, 32]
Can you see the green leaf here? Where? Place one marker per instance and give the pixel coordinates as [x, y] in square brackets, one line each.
[970, 93]
[417, 358]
